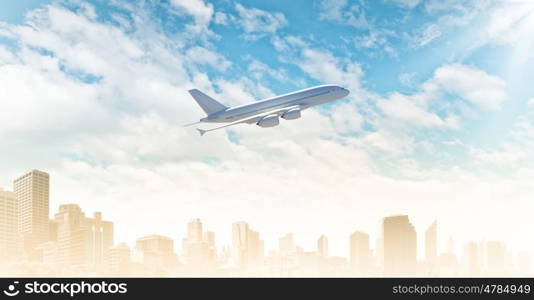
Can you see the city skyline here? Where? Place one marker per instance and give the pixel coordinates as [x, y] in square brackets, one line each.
[307, 238]
[73, 239]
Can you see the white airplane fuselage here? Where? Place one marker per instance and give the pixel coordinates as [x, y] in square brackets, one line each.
[300, 99]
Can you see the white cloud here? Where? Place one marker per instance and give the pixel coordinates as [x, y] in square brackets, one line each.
[406, 79]
[327, 68]
[88, 10]
[340, 11]
[386, 141]
[510, 24]
[437, 6]
[370, 36]
[220, 18]
[476, 86]
[6, 56]
[346, 118]
[377, 38]
[259, 70]
[202, 14]
[257, 23]
[203, 56]
[448, 17]
[242, 91]
[332, 9]
[507, 156]
[427, 35]
[406, 3]
[404, 108]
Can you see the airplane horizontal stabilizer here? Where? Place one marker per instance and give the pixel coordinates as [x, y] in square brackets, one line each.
[201, 131]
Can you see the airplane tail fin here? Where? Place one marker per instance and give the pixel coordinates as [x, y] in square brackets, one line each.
[208, 104]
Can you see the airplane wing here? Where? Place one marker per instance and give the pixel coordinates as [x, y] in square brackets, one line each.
[251, 120]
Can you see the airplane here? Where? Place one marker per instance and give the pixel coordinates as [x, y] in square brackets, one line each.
[265, 113]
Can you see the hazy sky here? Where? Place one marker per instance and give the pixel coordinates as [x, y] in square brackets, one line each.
[439, 123]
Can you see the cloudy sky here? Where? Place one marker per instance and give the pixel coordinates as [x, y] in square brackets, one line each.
[439, 123]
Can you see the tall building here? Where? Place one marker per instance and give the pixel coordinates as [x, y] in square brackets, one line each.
[8, 226]
[48, 252]
[71, 248]
[155, 251]
[448, 261]
[360, 253]
[523, 263]
[431, 249]
[286, 245]
[82, 240]
[194, 231]
[322, 246]
[472, 259]
[120, 259]
[32, 194]
[197, 251]
[495, 258]
[52, 231]
[400, 246]
[247, 247]
[255, 248]
[209, 238]
[240, 243]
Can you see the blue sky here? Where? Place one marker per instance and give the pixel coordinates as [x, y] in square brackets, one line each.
[440, 109]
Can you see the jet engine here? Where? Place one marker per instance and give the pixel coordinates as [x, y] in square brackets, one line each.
[292, 114]
[268, 121]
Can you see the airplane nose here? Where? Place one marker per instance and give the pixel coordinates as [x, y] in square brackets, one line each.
[346, 92]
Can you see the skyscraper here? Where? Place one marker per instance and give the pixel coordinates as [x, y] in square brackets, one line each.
[322, 246]
[240, 243]
[8, 225]
[431, 249]
[32, 194]
[197, 251]
[448, 261]
[495, 258]
[472, 259]
[400, 246]
[71, 247]
[286, 245]
[247, 248]
[209, 238]
[523, 263]
[120, 259]
[82, 240]
[194, 230]
[101, 238]
[360, 253]
[155, 251]
[255, 248]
